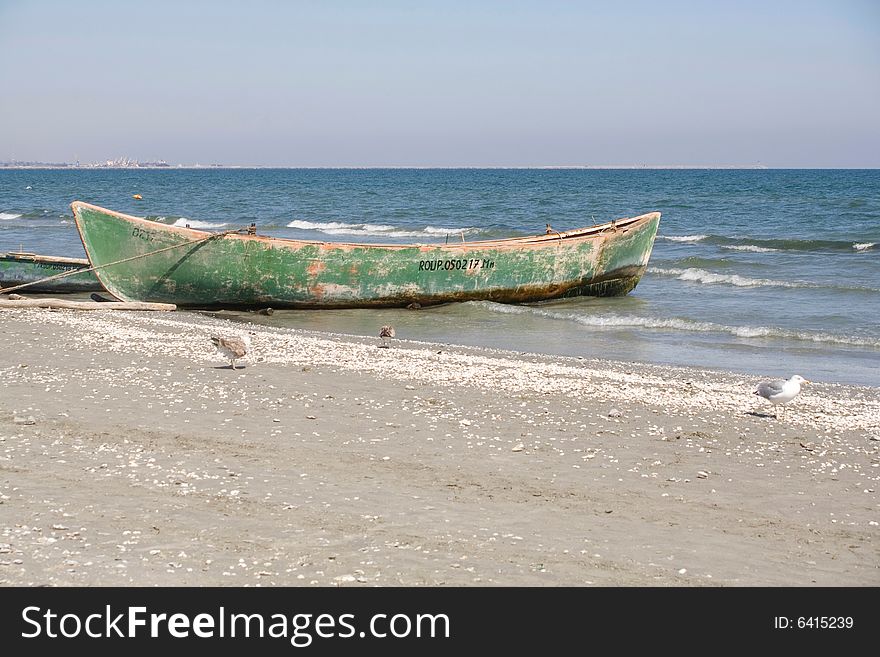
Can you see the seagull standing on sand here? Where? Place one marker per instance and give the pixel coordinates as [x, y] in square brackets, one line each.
[386, 332]
[779, 391]
[232, 347]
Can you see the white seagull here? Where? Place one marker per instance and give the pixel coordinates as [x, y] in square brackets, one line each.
[780, 391]
[232, 347]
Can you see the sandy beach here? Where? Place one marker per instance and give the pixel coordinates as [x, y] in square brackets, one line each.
[131, 454]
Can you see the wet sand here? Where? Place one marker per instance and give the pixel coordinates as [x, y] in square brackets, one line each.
[131, 454]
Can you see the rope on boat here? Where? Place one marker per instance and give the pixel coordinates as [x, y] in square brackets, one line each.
[84, 270]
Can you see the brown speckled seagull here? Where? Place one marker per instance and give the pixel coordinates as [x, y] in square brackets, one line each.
[232, 347]
[386, 332]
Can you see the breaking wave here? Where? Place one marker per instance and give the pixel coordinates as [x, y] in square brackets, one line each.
[708, 277]
[751, 248]
[37, 218]
[682, 238]
[379, 230]
[183, 222]
[759, 245]
[678, 324]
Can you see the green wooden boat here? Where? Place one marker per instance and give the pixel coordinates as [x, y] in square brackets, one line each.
[141, 260]
[28, 268]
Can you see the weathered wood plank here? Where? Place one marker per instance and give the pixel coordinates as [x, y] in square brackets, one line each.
[84, 305]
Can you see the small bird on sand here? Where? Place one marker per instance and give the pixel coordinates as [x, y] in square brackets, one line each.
[232, 347]
[780, 391]
[386, 332]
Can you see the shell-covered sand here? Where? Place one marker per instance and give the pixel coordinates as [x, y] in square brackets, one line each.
[131, 454]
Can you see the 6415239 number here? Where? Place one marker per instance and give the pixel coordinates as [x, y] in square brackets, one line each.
[814, 622]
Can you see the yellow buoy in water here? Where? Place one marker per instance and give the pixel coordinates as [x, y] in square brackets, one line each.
[137, 196]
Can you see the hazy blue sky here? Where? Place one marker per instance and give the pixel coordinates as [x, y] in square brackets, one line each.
[446, 83]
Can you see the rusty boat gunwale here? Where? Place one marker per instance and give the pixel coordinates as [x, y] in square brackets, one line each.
[237, 269]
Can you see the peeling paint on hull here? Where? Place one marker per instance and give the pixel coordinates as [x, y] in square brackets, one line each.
[22, 268]
[196, 268]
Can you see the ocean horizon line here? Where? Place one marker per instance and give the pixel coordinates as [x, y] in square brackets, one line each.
[589, 167]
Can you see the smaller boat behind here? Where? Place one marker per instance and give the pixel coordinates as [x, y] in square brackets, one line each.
[24, 268]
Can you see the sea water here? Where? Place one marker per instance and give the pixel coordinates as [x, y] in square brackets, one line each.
[765, 272]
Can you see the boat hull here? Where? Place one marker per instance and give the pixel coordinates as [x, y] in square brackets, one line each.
[193, 268]
[27, 268]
